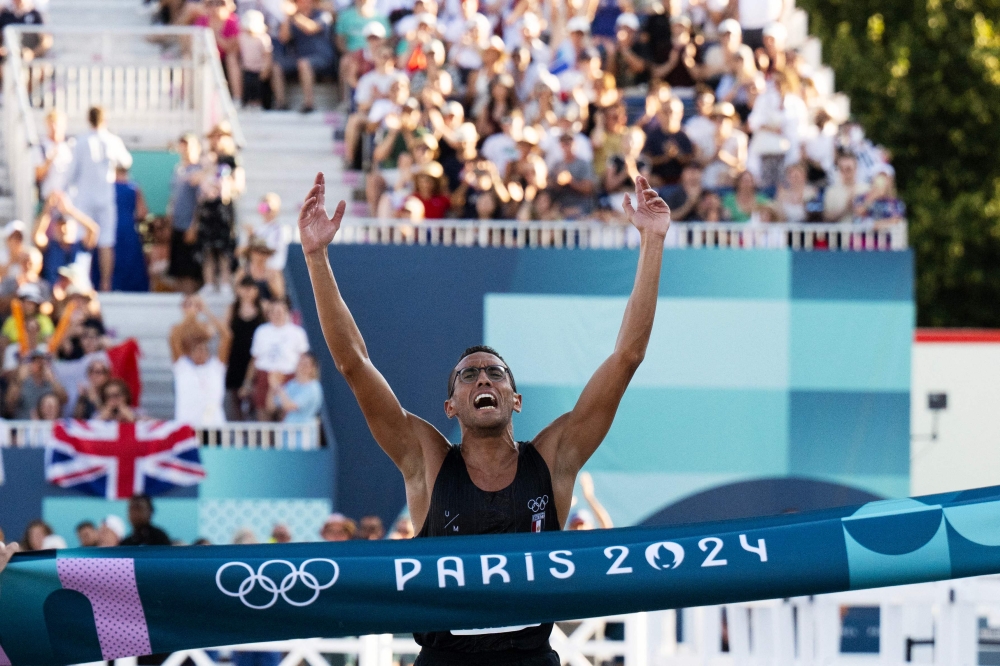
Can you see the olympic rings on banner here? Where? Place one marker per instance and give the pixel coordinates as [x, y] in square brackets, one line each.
[539, 503]
[277, 590]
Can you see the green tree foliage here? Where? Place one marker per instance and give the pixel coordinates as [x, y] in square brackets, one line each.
[924, 80]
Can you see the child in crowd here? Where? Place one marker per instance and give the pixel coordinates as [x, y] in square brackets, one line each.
[256, 52]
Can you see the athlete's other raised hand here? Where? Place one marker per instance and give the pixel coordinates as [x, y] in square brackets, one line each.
[316, 230]
[651, 213]
[6, 552]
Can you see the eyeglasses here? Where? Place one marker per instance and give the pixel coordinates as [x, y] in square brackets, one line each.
[494, 373]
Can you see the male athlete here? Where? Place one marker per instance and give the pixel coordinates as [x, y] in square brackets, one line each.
[490, 483]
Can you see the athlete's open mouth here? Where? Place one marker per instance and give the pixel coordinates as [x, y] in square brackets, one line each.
[485, 401]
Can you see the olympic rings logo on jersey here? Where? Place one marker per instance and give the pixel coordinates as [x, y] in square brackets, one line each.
[539, 503]
[276, 590]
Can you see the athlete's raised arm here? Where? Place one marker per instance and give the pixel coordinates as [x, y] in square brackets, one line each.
[400, 434]
[573, 437]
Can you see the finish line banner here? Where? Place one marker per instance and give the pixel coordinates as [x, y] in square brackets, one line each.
[83, 605]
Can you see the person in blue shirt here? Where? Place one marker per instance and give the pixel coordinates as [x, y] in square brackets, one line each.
[62, 249]
[300, 400]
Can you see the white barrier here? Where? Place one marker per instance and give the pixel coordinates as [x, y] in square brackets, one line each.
[153, 83]
[860, 236]
[236, 435]
[935, 623]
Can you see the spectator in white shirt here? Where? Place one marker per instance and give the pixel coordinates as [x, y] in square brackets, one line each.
[54, 157]
[276, 348]
[272, 232]
[200, 381]
[96, 158]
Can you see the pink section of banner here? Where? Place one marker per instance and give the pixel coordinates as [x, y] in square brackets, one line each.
[4, 659]
[109, 584]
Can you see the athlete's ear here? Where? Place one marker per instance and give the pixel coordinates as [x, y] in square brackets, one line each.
[449, 409]
[517, 402]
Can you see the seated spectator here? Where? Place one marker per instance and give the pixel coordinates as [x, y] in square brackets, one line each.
[720, 57]
[741, 84]
[34, 535]
[115, 400]
[701, 128]
[628, 57]
[200, 376]
[526, 177]
[680, 68]
[86, 534]
[270, 281]
[88, 401]
[111, 532]
[351, 23]
[370, 528]
[754, 16]
[276, 348]
[880, 203]
[275, 235]
[16, 258]
[794, 194]
[65, 245]
[572, 186]
[684, 197]
[222, 18]
[48, 408]
[337, 527]
[301, 399]
[144, 533]
[130, 273]
[23, 12]
[819, 149]
[371, 87]
[668, 147]
[306, 49]
[428, 189]
[607, 136]
[354, 66]
[709, 207]
[403, 529]
[256, 57]
[622, 169]
[31, 381]
[280, 534]
[741, 204]
[839, 198]
[394, 122]
[54, 157]
[729, 149]
[31, 300]
[778, 121]
[245, 315]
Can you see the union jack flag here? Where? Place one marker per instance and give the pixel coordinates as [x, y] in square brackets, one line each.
[119, 460]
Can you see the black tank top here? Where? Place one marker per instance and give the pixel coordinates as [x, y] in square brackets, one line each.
[459, 507]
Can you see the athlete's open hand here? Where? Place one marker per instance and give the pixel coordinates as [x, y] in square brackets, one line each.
[316, 230]
[6, 552]
[651, 213]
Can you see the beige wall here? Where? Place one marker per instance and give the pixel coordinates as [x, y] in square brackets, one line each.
[967, 451]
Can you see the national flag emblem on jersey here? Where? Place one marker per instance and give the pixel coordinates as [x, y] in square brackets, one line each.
[119, 460]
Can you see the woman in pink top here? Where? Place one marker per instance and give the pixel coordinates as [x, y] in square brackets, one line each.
[224, 22]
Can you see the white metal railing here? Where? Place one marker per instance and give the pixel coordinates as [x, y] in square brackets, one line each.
[236, 435]
[154, 84]
[859, 236]
[937, 623]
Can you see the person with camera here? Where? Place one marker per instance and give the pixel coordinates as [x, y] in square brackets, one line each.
[115, 399]
[33, 379]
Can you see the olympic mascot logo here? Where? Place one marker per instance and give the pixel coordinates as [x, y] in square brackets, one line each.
[269, 587]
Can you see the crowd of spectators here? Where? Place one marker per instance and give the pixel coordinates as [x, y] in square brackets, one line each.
[549, 109]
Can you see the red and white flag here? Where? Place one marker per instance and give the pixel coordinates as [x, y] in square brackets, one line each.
[119, 460]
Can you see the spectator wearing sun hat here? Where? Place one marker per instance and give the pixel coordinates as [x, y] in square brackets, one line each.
[111, 532]
[31, 298]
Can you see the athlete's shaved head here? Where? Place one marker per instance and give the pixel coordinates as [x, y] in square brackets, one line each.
[486, 349]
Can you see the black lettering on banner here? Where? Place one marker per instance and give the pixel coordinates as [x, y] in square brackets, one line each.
[529, 565]
[403, 576]
[559, 557]
[495, 570]
[760, 550]
[458, 573]
[710, 561]
[616, 566]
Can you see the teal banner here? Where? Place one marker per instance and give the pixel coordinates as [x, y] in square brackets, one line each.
[83, 605]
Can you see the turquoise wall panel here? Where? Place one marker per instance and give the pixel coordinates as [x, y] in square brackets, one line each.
[265, 473]
[696, 342]
[851, 345]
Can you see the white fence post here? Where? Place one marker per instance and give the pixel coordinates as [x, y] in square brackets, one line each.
[637, 640]
[890, 635]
